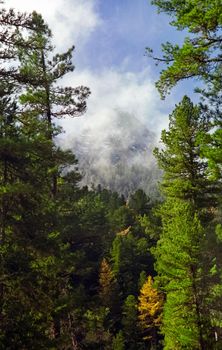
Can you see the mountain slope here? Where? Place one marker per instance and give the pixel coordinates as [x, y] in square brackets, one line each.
[118, 156]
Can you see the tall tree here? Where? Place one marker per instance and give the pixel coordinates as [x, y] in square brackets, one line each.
[44, 98]
[180, 273]
[129, 322]
[183, 253]
[198, 57]
[185, 171]
[35, 257]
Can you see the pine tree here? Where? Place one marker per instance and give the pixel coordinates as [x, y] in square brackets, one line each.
[199, 56]
[44, 98]
[200, 53]
[118, 342]
[130, 255]
[25, 259]
[186, 321]
[184, 255]
[139, 202]
[25, 228]
[129, 322]
[35, 257]
[185, 172]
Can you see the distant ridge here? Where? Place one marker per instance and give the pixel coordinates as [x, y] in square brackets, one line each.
[120, 159]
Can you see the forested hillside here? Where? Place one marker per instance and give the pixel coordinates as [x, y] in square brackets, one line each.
[93, 268]
[124, 162]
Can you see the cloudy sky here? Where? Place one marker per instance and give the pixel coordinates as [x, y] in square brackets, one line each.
[110, 37]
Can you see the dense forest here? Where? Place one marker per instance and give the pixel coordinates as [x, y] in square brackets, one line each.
[89, 268]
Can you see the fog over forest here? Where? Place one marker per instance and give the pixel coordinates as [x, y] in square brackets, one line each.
[110, 175]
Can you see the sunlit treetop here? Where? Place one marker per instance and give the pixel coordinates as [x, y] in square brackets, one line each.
[200, 54]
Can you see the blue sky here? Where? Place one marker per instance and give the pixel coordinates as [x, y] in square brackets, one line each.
[110, 38]
[127, 28]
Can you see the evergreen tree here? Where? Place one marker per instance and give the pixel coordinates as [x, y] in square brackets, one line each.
[44, 98]
[179, 260]
[129, 322]
[199, 57]
[35, 258]
[139, 202]
[130, 255]
[200, 54]
[118, 342]
[185, 172]
[184, 255]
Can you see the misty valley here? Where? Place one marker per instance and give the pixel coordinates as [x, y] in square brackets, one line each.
[110, 234]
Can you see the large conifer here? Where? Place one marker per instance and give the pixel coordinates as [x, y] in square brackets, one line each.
[183, 253]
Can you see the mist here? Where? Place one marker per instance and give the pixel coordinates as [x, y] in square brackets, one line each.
[114, 140]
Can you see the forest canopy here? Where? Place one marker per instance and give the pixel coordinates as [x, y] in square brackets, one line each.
[83, 267]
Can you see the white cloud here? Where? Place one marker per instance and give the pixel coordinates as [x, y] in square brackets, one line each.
[112, 89]
[113, 92]
[71, 21]
[115, 138]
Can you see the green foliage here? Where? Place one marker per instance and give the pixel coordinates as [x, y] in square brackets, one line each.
[130, 255]
[43, 70]
[53, 294]
[185, 173]
[35, 259]
[118, 342]
[129, 314]
[130, 324]
[199, 55]
[96, 334]
[178, 262]
[184, 251]
[139, 202]
[142, 279]
[121, 217]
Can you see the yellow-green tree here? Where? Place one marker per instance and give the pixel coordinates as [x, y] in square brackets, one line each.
[150, 309]
[109, 292]
[106, 282]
